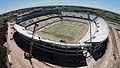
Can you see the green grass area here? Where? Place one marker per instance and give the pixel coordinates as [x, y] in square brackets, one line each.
[65, 30]
[108, 16]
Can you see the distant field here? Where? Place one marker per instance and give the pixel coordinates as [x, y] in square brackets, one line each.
[65, 30]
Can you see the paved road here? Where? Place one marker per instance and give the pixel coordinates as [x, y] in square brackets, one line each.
[17, 55]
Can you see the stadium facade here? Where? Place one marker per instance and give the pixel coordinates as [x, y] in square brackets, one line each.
[60, 53]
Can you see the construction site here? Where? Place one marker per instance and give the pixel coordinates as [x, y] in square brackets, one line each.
[55, 39]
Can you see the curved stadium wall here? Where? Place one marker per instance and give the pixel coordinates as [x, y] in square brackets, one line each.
[55, 53]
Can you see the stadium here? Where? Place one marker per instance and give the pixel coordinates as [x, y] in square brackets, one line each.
[62, 38]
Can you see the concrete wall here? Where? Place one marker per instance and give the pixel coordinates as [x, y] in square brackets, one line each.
[56, 55]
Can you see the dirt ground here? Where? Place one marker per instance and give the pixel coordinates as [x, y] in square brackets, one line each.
[111, 58]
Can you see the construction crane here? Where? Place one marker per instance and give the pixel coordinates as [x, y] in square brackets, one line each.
[28, 55]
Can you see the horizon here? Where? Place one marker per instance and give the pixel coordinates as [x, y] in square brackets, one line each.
[8, 6]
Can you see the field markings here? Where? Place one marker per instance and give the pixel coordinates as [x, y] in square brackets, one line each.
[68, 31]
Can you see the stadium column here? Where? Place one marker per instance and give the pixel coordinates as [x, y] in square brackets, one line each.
[44, 49]
[60, 15]
[90, 28]
[65, 50]
[54, 50]
[90, 32]
[77, 54]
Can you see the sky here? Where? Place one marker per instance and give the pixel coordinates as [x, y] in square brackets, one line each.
[10, 5]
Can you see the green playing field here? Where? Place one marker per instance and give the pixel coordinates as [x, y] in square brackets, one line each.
[63, 30]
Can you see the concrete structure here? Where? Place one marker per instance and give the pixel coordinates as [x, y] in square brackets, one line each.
[54, 52]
